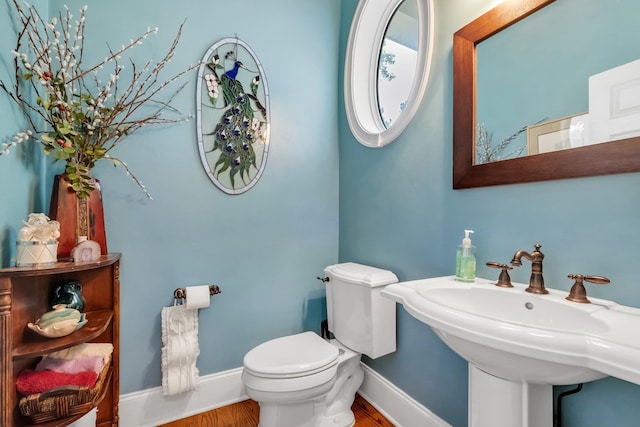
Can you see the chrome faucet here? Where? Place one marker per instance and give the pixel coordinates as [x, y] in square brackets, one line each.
[536, 282]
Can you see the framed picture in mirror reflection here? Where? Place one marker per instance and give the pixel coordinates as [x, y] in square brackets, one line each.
[559, 134]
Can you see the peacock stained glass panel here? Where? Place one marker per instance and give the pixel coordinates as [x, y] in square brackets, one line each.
[232, 116]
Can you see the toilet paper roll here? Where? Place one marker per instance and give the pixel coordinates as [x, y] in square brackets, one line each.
[197, 297]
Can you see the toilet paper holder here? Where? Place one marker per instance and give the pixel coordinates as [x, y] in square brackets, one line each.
[181, 293]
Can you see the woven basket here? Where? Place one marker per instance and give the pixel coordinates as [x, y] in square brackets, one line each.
[63, 402]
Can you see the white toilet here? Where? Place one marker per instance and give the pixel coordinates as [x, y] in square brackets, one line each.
[303, 380]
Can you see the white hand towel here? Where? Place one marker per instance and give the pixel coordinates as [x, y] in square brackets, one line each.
[83, 350]
[180, 350]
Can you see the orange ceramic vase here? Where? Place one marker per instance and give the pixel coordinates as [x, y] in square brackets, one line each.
[77, 217]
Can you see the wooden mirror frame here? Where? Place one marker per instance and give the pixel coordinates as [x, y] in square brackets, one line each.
[620, 156]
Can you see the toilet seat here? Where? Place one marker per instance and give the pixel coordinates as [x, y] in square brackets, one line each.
[292, 356]
[300, 364]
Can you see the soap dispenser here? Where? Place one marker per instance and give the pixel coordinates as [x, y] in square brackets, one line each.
[466, 259]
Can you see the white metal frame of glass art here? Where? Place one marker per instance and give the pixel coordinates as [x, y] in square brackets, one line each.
[232, 114]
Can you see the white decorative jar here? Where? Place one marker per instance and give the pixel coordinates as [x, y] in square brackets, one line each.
[32, 253]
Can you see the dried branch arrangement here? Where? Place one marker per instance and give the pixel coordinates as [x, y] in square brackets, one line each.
[78, 118]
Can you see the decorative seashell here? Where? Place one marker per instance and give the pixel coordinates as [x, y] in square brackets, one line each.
[37, 218]
[54, 229]
[25, 234]
[59, 322]
[41, 233]
[39, 228]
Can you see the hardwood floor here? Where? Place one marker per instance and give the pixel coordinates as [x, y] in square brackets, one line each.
[368, 416]
[245, 414]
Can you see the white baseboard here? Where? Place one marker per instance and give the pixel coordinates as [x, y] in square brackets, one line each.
[397, 406]
[148, 408]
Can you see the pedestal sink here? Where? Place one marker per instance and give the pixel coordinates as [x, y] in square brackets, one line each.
[519, 344]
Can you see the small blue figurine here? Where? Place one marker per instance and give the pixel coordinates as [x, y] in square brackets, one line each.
[69, 294]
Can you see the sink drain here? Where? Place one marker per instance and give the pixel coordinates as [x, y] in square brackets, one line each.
[528, 305]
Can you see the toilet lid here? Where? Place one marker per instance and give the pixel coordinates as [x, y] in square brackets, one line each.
[291, 356]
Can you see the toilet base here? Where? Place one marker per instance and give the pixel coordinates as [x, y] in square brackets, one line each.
[335, 408]
[301, 415]
[330, 409]
[344, 419]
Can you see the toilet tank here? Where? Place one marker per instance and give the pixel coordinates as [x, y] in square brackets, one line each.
[359, 316]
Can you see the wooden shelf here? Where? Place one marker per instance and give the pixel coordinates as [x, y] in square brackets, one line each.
[60, 267]
[25, 294]
[97, 322]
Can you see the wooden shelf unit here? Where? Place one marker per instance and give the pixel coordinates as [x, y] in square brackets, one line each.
[25, 293]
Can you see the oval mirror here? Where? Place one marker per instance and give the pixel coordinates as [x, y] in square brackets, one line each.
[386, 67]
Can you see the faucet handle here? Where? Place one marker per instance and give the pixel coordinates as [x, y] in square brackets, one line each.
[578, 292]
[504, 281]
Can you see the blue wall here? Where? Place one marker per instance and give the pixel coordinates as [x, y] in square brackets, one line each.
[263, 248]
[21, 191]
[398, 211]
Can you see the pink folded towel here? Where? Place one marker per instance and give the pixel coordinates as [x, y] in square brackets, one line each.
[74, 366]
[32, 382]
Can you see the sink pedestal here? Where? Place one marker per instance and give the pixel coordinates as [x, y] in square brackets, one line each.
[496, 402]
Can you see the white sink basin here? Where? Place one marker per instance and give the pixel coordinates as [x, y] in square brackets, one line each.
[524, 337]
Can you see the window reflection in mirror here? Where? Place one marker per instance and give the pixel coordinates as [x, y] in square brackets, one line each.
[538, 71]
[397, 62]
